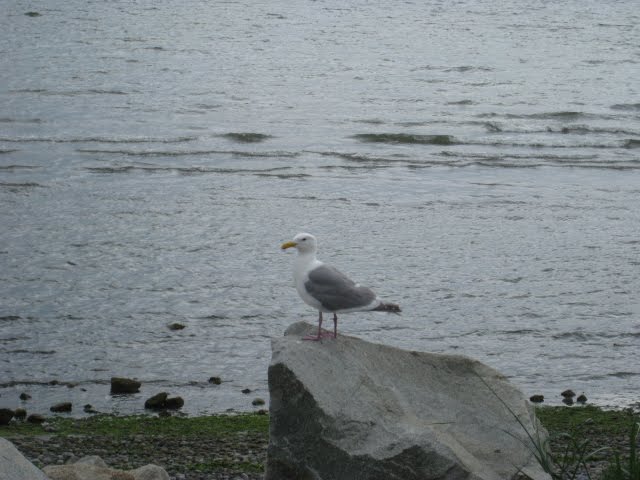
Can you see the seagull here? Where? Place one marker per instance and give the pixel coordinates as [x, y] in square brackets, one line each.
[327, 289]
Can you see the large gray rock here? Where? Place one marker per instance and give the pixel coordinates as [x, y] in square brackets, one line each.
[14, 465]
[347, 409]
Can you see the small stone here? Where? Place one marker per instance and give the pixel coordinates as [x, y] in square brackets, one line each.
[6, 415]
[174, 403]
[536, 398]
[61, 407]
[257, 401]
[567, 401]
[568, 394]
[176, 326]
[88, 408]
[246, 391]
[33, 14]
[20, 413]
[124, 385]
[157, 402]
[582, 399]
[36, 418]
[215, 380]
[25, 396]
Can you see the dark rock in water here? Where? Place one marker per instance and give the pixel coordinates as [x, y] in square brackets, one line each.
[36, 418]
[246, 391]
[536, 398]
[54, 382]
[257, 402]
[215, 380]
[157, 402]
[20, 413]
[174, 403]
[61, 407]
[33, 14]
[567, 401]
[6, 415]
[392, 413]
[25, 396]
[176, 326]
[582, 399]
[568, 394]
[88, 408]
[124, 385]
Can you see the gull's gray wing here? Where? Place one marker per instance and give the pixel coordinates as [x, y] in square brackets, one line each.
[335, 291]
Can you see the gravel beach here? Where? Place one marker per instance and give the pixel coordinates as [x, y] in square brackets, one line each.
[184, 458]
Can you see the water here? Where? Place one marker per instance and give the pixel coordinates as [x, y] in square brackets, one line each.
[475, 162]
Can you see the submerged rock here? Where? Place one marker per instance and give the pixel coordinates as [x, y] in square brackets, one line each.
[582, 399]
[344, 409]
[176, 326]
[215, 380]
[124, 385]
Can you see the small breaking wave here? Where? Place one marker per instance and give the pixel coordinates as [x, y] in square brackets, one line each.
[99, 139]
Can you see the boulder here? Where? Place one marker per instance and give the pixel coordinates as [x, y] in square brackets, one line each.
[6, 414]
[94, 468]
[61, 407]
[345, 409]
[124, 385]
[36, 418]
[14, 465]
[157, 402]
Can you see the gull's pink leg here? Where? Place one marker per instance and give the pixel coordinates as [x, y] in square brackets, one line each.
[335, 325]
[315, 338]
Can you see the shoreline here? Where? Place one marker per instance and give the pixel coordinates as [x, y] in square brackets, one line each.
[234, 446]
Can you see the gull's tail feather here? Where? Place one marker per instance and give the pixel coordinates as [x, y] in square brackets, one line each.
[387, 307]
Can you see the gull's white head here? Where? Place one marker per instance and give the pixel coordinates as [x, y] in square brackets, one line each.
[303, 242]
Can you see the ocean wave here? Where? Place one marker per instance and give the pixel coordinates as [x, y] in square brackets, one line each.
[185, 153]
[405, 138]
[183, 170]
[99, 139]
[626, 106]
[247, 137]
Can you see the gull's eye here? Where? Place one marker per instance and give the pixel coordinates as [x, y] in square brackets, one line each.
[304, 239]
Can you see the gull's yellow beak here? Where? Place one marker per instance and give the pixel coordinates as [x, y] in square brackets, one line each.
[288, 245]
